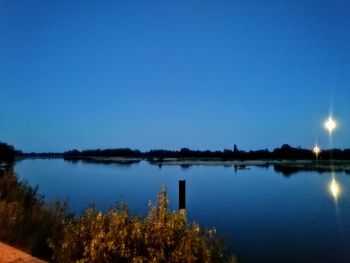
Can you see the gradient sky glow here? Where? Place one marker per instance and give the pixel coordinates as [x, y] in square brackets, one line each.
[172, 74]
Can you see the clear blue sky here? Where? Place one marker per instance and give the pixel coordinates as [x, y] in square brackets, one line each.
[172, 74]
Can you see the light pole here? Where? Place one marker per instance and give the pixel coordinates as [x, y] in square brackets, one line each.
[330, 125]
[334, 187]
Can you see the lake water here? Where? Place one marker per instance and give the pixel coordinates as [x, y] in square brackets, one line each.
[267, 217]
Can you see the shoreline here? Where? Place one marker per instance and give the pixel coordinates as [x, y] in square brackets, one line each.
[9, 254]
[283, 165]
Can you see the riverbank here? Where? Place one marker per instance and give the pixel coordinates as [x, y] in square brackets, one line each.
[10, 254]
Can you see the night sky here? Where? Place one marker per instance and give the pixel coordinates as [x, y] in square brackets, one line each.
[172, 74]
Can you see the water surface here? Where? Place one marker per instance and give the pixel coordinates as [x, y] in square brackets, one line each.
[267, 217]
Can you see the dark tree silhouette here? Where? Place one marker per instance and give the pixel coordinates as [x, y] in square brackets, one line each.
[7, 152]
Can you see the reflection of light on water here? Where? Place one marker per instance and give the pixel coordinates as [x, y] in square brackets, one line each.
[334, 188]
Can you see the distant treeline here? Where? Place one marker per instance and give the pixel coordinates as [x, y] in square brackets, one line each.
[285, 152]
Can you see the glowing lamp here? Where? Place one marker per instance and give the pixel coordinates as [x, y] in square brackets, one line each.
[316, 150]
[330, 125]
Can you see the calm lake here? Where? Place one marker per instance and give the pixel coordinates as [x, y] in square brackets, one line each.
[267, 216]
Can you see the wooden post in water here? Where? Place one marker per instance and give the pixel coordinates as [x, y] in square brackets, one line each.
[182, 196]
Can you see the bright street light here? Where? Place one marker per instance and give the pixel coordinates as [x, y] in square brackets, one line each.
[316, 150]
[330, 124]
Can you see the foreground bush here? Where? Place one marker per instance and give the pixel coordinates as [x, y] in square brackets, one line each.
[115, 236]
[26, 221]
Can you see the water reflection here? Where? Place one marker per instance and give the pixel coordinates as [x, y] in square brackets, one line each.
[334, 188]
[308, 220]
[106, 161]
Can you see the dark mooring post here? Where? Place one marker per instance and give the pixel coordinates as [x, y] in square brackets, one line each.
[182, 195]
